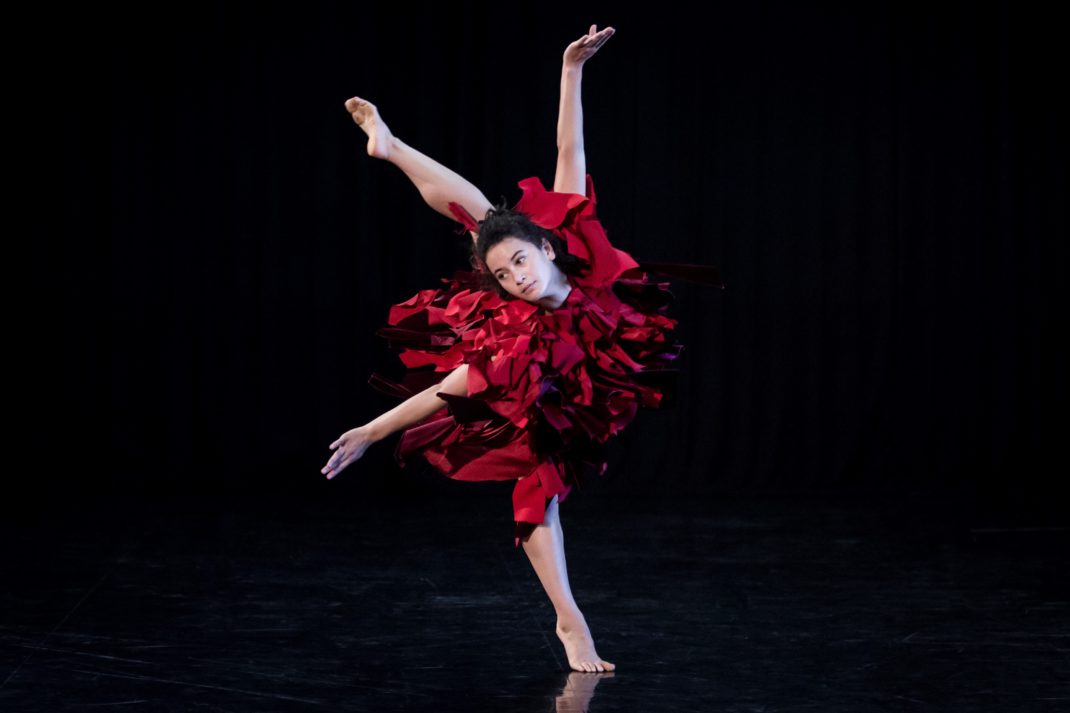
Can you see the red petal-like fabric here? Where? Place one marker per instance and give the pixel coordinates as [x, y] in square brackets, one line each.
[546, 389]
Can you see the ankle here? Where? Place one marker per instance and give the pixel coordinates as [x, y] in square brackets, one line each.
[570, 621]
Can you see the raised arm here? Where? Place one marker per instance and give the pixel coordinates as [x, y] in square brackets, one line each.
[571, 174]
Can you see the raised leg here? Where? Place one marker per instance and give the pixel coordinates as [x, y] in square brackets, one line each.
[546, 550]
[437, 184]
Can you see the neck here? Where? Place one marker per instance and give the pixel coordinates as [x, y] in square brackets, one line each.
[556, 295]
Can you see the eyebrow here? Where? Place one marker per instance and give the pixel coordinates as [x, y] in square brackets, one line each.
[510, 259]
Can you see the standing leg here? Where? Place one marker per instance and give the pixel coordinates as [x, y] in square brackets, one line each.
[437, 184]
[546, 550]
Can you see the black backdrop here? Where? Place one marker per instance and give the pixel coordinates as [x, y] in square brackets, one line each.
[882, 184]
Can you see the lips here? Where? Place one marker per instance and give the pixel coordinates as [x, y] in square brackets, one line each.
[525, 290]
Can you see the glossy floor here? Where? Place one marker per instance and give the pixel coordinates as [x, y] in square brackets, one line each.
[726, 605]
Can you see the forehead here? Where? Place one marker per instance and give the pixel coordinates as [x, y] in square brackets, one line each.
[502, 252]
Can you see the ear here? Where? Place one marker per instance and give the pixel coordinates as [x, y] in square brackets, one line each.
[548, 248]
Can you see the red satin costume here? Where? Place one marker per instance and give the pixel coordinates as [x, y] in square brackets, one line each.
[546, 388]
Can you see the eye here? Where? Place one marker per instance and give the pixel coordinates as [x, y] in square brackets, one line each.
[522, 258]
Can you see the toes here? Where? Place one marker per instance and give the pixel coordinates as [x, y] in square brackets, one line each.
[592, 667]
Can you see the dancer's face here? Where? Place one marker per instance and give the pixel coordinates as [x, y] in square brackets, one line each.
[518, 265]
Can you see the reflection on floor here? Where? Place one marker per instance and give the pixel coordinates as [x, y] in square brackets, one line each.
[377, 605]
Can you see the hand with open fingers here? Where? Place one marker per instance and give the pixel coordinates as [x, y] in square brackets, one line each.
[350, 447]
[584, 48]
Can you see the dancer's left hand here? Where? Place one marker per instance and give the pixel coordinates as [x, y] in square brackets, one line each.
[584, 48]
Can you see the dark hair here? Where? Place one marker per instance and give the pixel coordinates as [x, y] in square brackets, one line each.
[502, 222]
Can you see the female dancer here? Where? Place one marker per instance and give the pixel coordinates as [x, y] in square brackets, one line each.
[551, 344]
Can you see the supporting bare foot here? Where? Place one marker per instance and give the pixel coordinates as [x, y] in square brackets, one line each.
[367, 118]
[579, 646]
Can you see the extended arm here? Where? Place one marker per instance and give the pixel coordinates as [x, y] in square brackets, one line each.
[571, 174]
[420, 406]
[353, 443]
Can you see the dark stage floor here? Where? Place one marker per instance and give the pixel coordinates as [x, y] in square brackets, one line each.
[366, 604]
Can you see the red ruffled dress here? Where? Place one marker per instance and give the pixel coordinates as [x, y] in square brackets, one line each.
[546, 388]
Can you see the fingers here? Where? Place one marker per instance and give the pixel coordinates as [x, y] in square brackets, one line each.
[596, 39]
[603, 36]
[334, 464]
